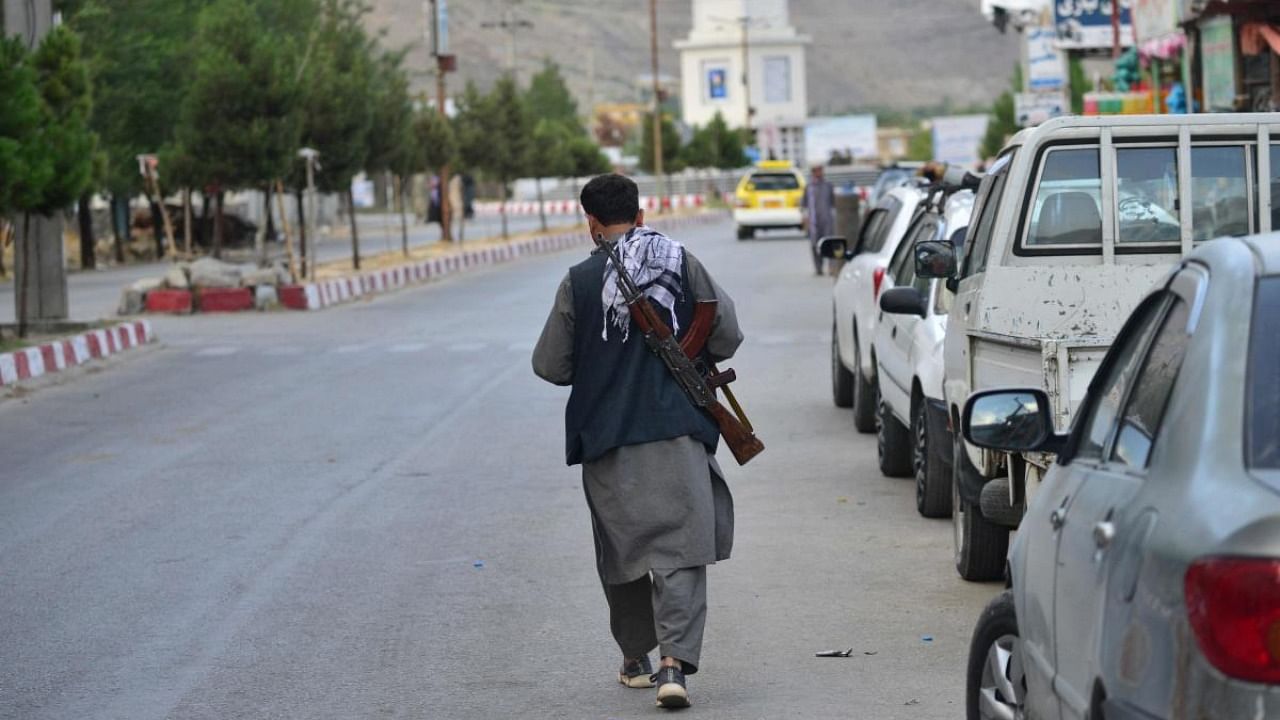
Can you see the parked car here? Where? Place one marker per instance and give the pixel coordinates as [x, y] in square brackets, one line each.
[1145, 581]
[1072, 221]
[854, 298]
[913, 438]
[892, 177]
[768, 197]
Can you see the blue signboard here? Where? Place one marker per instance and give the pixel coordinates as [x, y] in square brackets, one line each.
[1083, 24]
[717, 84]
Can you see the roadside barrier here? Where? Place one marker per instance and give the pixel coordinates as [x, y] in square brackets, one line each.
[35, 361]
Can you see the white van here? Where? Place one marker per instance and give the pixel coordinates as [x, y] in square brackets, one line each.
[1072, 224]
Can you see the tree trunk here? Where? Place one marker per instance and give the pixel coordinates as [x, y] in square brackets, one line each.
[88, 255]
[157, 227]
[119, 228]
[186, 221]
[302, 231]
[24, 274]
[542, 206]
[6, 233]
[205, 209]
[404, 218]
[265, 233]
[355, 230]
[217, 223]
[502, 209]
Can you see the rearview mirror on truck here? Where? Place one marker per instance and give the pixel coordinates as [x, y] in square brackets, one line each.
[1010, 421]
[935, 259]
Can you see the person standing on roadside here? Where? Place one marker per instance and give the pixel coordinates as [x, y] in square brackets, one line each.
[819, 206]
[660, 509]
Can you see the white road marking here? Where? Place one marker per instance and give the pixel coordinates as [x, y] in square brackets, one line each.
[408, 348]
[217, 352]
[466, 347]
[348, 349]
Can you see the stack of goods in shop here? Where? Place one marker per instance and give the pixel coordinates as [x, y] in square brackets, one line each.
[1138, 102]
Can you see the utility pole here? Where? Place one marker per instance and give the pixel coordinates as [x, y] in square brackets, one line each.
[444, 63]
[657, 103]
[1115, 28]
[40, 276]
[311, 157]
[510, 25]
[745, 22]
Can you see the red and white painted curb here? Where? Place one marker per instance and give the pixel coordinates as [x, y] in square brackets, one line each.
[34, 362]
[571, 207]
[315, 296]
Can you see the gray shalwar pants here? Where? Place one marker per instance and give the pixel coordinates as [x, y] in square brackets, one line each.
[666, 609]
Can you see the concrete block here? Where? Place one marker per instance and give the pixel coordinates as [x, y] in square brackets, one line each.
[225, 299]
[169, 301]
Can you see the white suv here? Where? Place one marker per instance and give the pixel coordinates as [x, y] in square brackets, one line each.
[855, 295]
[912, 434]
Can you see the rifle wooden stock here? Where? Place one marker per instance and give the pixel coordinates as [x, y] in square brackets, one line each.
[695, 337]
[741, 442]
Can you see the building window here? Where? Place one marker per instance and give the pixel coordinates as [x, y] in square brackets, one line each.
[777, 79]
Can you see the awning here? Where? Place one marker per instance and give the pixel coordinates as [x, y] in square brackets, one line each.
[1255, 37]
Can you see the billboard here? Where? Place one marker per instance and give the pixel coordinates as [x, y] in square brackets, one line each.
[717, 83]
[1086, 24]
[849, 136]
[956, 139]
[1046, 67]
[1034, 108]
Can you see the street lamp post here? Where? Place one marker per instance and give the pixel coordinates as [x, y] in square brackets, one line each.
[312, 158]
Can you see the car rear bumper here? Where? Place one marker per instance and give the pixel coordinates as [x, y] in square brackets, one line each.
[768, 217]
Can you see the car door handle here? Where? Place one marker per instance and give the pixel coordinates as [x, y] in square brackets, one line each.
[1058, 518]
[966, 307]
[894, 332]
[1103, 533]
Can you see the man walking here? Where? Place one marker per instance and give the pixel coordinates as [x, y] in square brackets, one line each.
[660, 509]
[819, 203]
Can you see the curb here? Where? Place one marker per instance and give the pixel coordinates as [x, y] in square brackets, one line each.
[34, 362]
[319, 295]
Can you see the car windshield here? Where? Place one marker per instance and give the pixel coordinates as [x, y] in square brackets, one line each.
[1262, 416]
[775, 181]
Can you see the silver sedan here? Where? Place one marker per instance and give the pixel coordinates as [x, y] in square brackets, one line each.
[1145, 578]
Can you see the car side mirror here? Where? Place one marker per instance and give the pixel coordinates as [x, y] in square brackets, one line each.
[903, 301]
[1018, 420]
[935, 259]
[835, 247]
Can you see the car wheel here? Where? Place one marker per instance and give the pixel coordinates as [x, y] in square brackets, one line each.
[841, 378]
[980, 545]
[996, 686]
[893, 441]
[746, 233]
[933, 482]
[864, 394]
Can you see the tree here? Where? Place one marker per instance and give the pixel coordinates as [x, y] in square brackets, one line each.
[335, 110]
[549, 98]
[392, 147]
[140, 62]
[495, 132]
[238, 124]
[920, 146]
[1079, 83]
[1000, 126]
[714, 146]
[53, 160]
[670, 145]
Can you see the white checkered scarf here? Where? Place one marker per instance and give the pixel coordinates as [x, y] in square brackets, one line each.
[654, 262]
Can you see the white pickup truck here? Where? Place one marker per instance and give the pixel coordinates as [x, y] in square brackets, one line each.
[1071, 226]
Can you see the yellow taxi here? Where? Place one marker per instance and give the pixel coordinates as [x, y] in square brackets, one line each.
[768, 197]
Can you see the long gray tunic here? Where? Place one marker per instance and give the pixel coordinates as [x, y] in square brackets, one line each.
[819, 204]
[654, 505]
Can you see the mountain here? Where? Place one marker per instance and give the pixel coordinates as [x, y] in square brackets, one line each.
[898, 54]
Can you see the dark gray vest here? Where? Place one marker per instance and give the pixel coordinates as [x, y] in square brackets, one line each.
[622, 393]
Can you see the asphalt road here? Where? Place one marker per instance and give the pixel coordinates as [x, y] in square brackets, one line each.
[95, 294]
[364, 513]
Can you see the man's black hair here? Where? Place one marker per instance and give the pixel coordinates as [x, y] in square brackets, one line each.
[611, 199]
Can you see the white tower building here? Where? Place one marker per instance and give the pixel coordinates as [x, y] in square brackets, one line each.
[728, 35]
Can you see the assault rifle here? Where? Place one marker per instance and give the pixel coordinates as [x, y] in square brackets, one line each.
[682, 360]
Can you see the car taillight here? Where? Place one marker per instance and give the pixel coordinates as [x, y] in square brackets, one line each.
[1234, 608]
[877, 277]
